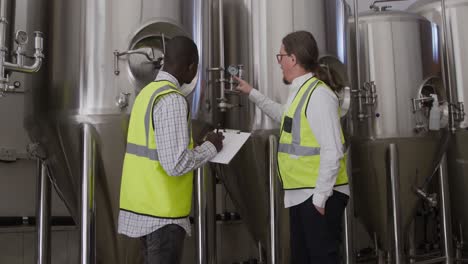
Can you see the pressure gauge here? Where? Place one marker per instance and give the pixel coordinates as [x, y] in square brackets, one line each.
[21, 37]
[233, 70]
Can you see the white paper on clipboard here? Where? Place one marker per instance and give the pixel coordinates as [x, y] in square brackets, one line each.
[232, 143]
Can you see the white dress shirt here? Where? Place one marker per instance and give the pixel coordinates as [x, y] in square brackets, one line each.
[171, 134]
[324, 120]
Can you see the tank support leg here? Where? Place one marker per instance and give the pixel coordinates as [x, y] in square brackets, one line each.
[87, 203]
[392, 163]
[205, 215]
[445, 208]
[43, 214]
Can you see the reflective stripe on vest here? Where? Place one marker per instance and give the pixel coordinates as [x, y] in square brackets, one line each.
[299, 154]
[146, 187]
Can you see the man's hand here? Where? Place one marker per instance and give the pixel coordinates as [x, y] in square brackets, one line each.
[243, 86]
[216, 139]
[320, 210]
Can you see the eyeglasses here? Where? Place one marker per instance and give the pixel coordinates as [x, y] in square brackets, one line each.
[279, 57]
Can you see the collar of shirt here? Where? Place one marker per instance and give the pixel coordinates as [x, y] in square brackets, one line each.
[296, 84]
[165, 76]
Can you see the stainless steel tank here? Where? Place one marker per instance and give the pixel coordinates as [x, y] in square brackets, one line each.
[101, 54]
[457, 42]
[252, 32]
[399, 62]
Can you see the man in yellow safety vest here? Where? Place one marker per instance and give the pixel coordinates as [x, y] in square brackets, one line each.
[157, 177]
[311, 159]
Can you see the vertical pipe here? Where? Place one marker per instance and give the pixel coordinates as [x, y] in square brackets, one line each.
[392, 162]
[221, 47]
[348, 237]
[88, 172]
[447, 65]
[358, 59]
[200, 218]
[445, 207]
[4, 5]
[43, 214]
[205, 216]
[273, 215]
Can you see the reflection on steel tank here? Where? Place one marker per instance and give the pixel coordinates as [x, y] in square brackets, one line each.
[456, 62]
[399, 71]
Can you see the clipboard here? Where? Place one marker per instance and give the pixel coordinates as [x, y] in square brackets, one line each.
[232, 143]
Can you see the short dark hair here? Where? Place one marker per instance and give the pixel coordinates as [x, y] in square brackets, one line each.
[303, 45]
[181, 51]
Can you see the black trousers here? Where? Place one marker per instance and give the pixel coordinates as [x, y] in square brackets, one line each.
[164, 246]
[316, 238]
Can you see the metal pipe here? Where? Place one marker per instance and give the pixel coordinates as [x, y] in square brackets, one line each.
[4, 5]
[348, 237]
[392, 162]
[358, 60]
[43, 214]
[375, 7]
[435, 260]
[445, 207]
[447, 66]
[19, 67]
[200, 218]
[25, 69]
[205, 216]
[260, 253]
[273, 214]
[221, 48]
[88, 214]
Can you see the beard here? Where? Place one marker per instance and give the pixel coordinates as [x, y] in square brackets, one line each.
[286, 81]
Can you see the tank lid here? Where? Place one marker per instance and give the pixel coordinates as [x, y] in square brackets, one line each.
[388, 15]
[426, 5]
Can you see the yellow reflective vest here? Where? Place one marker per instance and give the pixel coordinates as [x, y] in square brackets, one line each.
[146, 187]
[298, 149]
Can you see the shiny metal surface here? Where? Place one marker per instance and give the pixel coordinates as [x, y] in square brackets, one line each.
[7, 9]
[399, 50]
[357, 65]
[457, 42]
[253, 30]
[273, 200]
[88, 203]
[399, 53]
[348, 236]
[371, 183]
[445, 212]
[43, 214]
[457, 155]
[205, 215]
[83, 88]
[457, 159]
[393, 168]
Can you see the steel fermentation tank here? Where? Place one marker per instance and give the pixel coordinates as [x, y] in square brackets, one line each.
[399, 66]
[457, 44]
[101, 53]
[253, 31]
